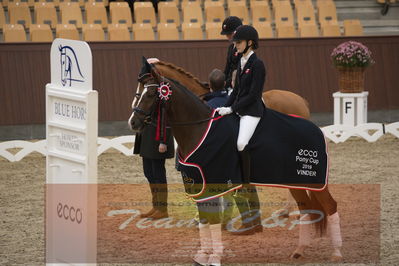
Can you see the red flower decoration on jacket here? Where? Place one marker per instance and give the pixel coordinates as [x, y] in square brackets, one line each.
[247, 71]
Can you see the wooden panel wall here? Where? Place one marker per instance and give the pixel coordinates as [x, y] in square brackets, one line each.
[299, 65]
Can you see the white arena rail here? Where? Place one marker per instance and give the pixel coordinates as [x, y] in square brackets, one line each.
[371, 132]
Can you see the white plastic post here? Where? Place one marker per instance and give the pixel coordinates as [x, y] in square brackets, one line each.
[71, 175]
[350, 108]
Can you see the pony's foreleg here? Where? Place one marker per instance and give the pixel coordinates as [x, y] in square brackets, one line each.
[217, 245]
[303, 201]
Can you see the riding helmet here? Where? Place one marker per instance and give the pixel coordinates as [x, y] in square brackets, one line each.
[246, 32]
[230, 24]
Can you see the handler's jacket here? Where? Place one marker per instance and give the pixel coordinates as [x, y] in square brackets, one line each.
[233, 58]
[146, 145]
[246, 98]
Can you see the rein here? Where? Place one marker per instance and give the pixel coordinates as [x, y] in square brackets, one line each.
[148, 119]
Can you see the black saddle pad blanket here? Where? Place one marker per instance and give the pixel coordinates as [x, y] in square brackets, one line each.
[286, 151]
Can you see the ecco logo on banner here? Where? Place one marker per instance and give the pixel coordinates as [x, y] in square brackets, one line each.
[69, 213]
[70, 69]
[307, 153]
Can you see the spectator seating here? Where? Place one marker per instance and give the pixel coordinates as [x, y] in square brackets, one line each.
[71, 14]
[67, 31]
[41, 33]
[30, 3]
[120, 13]
[283, 15]
[168, 31]
[327, 12]
[168, 13]
[81, 3]
[96, 14]
[93, 32]
[214, 11]
[305, 15]
[19, 13]
[264, 29]
[330, 30]
[260, 12]
[118, 32]
[353, 27]
[308, 30]
[143, 32]
[212, 30]
[144, 12]
[56, 3]
[240, 10]
[192, 13]
[286, 31]
[192, 31]
[231, 3]
[2, 17]
[14, 33]
[45, 13]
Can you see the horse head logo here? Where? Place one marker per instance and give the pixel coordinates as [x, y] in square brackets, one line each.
[70, 69]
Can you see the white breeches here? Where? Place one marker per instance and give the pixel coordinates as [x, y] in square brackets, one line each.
[247, 128]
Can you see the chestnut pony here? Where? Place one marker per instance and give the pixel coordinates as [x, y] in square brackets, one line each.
[184, 107]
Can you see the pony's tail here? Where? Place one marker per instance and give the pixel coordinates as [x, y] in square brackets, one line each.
[321, 225]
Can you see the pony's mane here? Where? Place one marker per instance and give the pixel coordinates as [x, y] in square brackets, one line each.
[188, 92]
[182, 71]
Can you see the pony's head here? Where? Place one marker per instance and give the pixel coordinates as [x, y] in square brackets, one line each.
[148, 94]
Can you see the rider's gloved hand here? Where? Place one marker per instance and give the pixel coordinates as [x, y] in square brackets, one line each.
[224, 110]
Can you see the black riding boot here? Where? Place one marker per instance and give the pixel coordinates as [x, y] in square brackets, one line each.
[254, 206]
[248, 201]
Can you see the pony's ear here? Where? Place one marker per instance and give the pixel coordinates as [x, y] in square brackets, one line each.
[143, 60]
[146, 65]
[155, 74]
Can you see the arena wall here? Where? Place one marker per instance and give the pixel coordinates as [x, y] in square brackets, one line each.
[301, 65]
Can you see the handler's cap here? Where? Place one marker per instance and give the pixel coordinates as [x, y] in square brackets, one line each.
[230, 24]
[246, 32]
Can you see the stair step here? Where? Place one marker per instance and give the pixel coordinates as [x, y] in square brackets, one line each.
[380, 23]
[360, 3]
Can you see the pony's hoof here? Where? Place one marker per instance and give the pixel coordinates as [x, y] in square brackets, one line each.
[335, 258]
[296, 256]
[197, 264]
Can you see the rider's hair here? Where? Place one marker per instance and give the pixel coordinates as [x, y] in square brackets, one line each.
[216, 80]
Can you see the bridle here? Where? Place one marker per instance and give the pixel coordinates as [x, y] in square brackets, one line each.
[147, 114]
[161, 103]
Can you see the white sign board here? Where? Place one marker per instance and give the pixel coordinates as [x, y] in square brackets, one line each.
[350, 108]
[71, 175]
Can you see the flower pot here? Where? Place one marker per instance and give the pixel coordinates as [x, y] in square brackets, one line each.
[351, 79]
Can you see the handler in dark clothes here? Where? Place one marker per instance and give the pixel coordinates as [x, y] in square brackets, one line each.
[229, 25]
[246, 102]
[154, 154]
